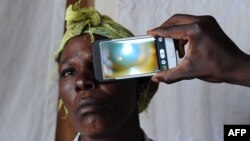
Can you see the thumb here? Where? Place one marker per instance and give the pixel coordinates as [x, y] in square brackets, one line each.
[172, 75]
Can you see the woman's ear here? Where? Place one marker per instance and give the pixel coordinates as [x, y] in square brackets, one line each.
[145, 84]
[141, 86]
[146, 90]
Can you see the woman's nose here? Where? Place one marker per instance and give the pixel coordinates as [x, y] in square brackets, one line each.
[85, 85]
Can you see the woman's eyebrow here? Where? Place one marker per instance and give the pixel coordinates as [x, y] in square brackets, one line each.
[66, 61]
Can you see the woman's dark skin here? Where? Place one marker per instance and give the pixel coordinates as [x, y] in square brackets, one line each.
[100, 112]
[211, 56]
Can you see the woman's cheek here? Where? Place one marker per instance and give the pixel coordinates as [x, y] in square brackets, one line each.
[67, 93]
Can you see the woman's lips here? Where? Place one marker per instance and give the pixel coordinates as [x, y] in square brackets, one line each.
[89, 105]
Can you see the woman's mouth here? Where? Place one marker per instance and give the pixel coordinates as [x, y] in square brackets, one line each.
[89, 105]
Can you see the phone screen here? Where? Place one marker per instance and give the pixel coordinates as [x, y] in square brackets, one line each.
[129, 57]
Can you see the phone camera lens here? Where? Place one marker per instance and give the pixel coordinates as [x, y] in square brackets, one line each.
[163, 62]
[160, 39]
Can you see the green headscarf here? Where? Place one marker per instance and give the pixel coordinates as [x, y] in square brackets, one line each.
[88, 20]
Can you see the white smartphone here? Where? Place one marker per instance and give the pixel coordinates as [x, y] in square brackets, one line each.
[133, 57]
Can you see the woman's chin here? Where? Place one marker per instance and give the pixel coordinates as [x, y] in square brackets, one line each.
[95, 125]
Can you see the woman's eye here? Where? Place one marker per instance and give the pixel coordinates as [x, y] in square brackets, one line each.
[68, 72]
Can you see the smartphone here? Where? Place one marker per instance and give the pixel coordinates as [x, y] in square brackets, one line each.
[132, 57]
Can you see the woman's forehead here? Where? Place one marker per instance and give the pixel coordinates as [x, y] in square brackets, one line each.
[77, 46]
[82, 42]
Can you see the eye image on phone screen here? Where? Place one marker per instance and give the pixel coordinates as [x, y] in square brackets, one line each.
[124, 58]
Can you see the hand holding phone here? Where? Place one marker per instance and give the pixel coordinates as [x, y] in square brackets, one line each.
[132, 57]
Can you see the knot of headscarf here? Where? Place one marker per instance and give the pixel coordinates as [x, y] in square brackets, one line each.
[88, 20]
[76, 16]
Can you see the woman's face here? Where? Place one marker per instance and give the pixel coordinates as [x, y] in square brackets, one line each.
[95, 108]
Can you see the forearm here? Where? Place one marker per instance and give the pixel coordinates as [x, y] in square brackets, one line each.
[240, 72]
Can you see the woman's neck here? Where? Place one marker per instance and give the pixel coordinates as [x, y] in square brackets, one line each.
[128, 131]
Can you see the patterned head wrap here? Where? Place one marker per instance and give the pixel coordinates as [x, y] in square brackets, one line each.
[88, 20]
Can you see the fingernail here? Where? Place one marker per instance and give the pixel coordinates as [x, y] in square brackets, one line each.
[155, 80]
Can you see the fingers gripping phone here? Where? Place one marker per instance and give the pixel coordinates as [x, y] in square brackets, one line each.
[132, 57]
